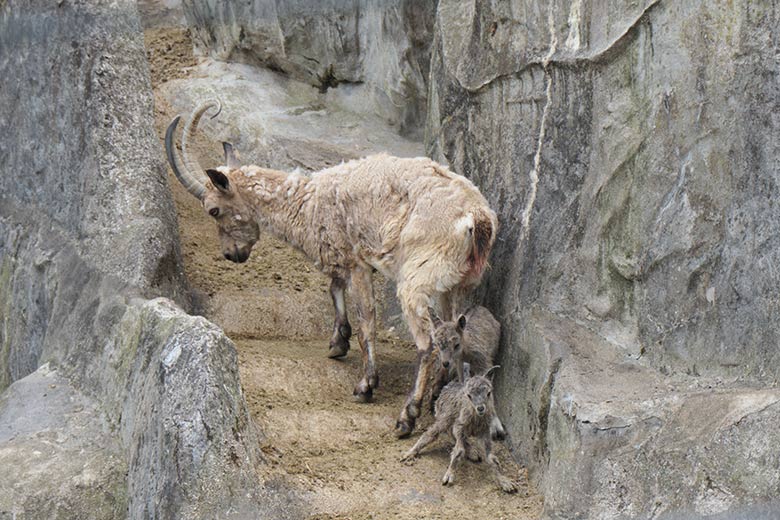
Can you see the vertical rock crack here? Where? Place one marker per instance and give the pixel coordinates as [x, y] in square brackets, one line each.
[534, 173]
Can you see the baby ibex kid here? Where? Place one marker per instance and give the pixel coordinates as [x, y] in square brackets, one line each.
[473, 339]
[466, 410]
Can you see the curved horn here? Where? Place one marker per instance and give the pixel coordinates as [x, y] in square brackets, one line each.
[186, 178]
[190, 162]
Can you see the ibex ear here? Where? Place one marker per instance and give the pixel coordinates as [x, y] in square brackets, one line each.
[219, 180]
[461, 322]
[435, 320]
[466, 371]
[489, 374]
[231, 156]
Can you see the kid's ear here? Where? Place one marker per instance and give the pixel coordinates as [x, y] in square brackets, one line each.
[461, 322]
[219, 180]
[491, 372]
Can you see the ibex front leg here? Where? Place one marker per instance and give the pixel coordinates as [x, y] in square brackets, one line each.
[414, 303]
[457, 453]
[342, 331]
[363, 292]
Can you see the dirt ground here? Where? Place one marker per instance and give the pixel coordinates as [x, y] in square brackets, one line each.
[340, 455]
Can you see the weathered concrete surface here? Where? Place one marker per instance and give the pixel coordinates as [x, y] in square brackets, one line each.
[632, 153]
[382, 46]
[279, 122]
[150, 399]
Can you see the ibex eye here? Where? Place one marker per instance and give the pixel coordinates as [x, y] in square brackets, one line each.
[214, 212]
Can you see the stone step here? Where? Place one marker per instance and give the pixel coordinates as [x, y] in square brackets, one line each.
[619, 437]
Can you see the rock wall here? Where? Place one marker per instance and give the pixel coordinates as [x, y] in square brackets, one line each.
[634, 163]
[382, 47]
[87, 232]
[632, 153]
[75, 155]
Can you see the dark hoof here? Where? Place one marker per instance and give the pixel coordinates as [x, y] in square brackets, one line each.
[364, 397]
[497, 432]
[338, 349]
[363, 392]
[403, 428]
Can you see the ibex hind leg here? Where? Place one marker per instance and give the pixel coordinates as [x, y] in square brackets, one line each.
[342, 331]
[504, 482]
[363, 290]
[441, 379]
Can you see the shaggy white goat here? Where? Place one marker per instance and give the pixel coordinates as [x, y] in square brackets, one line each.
[419, 224]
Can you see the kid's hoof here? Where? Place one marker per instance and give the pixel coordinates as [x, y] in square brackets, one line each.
[508, 486]
[403, 428]
[408, 456]
[497, 432]
[498, 435]
[448, 479]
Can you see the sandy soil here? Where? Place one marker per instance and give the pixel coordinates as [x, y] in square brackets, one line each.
[340, 455]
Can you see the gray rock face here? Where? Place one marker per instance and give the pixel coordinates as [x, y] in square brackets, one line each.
[632, 153]
[147, 419]
[384, 46]
[69, 96]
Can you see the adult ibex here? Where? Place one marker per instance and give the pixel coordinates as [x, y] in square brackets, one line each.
[413, 220]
